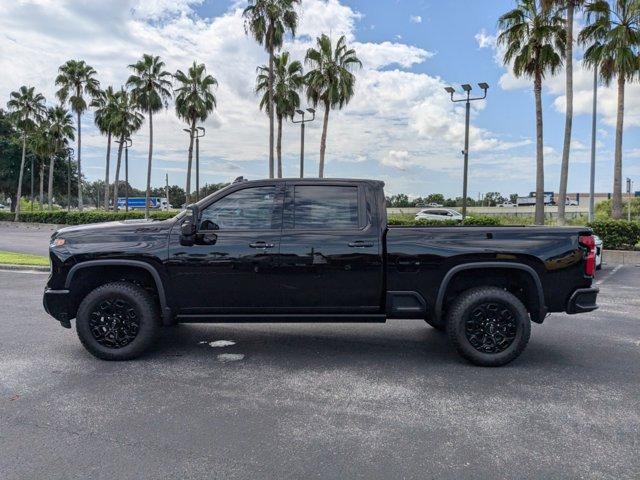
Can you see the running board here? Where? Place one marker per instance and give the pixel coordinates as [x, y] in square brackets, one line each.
[282, 318]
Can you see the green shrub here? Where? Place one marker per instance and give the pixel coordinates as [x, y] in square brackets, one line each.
[63, 217]
[405, 219]
[617, 234]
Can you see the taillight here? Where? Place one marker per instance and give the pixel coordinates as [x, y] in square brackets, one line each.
[589, 243]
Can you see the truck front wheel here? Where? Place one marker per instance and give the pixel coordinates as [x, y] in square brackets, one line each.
[117, 321]
[488, 326]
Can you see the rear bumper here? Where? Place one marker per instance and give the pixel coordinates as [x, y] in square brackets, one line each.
[583, 300]
[57, 304]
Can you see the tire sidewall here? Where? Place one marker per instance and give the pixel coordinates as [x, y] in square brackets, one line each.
[456, 326]
[141, 303]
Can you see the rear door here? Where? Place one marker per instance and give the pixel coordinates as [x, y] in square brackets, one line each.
[330, 250]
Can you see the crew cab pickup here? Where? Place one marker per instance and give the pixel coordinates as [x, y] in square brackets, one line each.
[298, 250]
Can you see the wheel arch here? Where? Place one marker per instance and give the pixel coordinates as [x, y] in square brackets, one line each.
[537, 308]
[134, 264]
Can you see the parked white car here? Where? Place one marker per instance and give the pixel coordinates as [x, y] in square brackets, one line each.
[434, 205]
[598, 252]
[438, 214]
[506, 204]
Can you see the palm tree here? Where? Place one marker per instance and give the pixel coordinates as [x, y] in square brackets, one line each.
[268, 21]
[569, 6]
[331, 81]
[105, 104]
[194, 102]
[535, 42]
[151, 89]
[27, 108]
[42, 145]
[613, 32]
[126, 121]
[288, 80]
[75, 79]
[61, 131]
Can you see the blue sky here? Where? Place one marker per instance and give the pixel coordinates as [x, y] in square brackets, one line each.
[400, 126]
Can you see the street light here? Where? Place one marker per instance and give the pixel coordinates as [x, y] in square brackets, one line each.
[468, 99]
[302, 122]
[126, 143]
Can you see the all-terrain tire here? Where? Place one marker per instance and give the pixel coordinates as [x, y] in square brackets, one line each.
[139, 305]
[470, 305]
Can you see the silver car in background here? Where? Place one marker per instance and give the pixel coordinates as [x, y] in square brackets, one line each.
[439, 214]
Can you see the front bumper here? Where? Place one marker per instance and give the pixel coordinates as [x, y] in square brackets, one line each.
[57, 304]
[583, 300]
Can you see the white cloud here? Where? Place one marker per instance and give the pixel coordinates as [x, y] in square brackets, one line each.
[415, 19]
[485, 40]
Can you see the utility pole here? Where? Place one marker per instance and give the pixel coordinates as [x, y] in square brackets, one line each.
[166, 188]
[128, 143]
[592, 178]
[302, 122]
[468, 99]
[69, 152]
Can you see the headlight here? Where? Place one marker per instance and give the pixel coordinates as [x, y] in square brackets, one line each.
[57, 242]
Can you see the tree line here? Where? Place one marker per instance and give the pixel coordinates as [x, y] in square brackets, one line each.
[121, 112]
[538, 37]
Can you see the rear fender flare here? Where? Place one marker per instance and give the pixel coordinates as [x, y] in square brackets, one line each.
[542, 309]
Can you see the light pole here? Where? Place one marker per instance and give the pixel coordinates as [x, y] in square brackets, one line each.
[69, 152]
[592, 178]
[468, 99]
[32, 166]
[629, 187]
[127, 144]
[302, 121]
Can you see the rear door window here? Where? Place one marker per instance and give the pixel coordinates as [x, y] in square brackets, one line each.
[325, 206]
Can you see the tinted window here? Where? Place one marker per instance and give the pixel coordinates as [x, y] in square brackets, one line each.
[248, 209]
[324, 206]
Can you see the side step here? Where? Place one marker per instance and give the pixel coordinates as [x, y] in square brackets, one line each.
[282, 318]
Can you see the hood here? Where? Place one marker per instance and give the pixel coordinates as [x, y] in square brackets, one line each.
[126, 227]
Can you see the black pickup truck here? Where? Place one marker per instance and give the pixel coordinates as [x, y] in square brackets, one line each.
[298, 250]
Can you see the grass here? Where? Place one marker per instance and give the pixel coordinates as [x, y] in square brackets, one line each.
[12, 258]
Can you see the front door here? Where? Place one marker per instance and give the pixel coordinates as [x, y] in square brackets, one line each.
[330, 250]
[231, 266]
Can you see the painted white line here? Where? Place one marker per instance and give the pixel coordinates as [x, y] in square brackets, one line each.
[230, 357]
[599, 282]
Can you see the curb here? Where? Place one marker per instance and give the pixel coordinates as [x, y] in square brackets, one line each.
[23, 268]
[621, 257]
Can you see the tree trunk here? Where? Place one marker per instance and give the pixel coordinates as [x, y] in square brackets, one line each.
[279, 146]
[79, 162]
[323, 138]
[190, 161]
[539, 215]
[117, 179]
[148, 195]
[616, 210]
[271, 109]
[52, 161]
[41, 184]
[19, 191]
[568, 119]
[106, 174]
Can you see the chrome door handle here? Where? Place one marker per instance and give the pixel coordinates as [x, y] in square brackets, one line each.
[261, 245]
[360, 244]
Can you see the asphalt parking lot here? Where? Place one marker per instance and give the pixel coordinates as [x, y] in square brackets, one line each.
[321, 401]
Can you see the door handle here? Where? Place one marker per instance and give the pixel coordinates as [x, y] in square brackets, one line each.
[261, 244]
[360, 244]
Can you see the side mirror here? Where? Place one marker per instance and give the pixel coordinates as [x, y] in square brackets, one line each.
[189, 225]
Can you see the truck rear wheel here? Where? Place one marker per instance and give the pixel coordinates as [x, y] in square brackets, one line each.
[488, 326]
[117, 321]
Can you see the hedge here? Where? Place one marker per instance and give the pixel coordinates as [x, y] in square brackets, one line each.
[408, 220]
[63, 217]
[617, 234]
